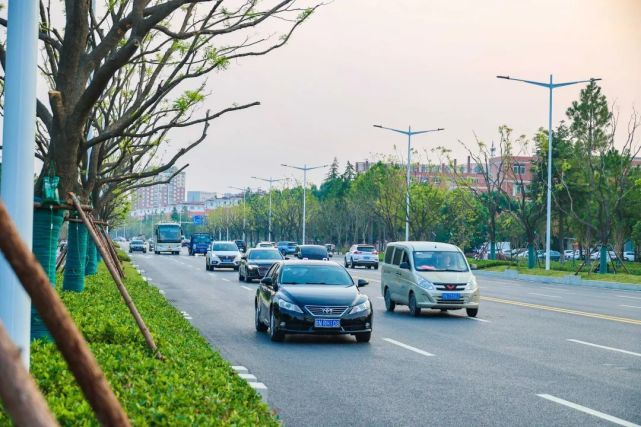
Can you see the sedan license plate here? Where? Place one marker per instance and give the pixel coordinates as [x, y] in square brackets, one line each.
[327, 323]
[446, 296]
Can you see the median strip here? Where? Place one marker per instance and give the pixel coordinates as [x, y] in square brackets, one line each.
[605, 347]
[564, 310]
[408, 347]
[588, 411]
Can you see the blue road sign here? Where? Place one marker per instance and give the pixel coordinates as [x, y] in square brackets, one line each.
[197, 219]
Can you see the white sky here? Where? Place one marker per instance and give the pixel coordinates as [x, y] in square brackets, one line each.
[412, 62]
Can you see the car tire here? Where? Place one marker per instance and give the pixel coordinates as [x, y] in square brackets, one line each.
[352, 265]
[274, 334]
[364, 337]
[389, 304]
[236, 268]
[260, 326]
[206, 266]
[472, 312]
[240, 277]
[375, 266]
[156, 252]
[415, 310]
[346, 264]
[248, 279]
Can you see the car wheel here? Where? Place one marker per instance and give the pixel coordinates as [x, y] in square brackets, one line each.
[236, 268]
[346, 265]
[472, 312]
[144, 251]
[248, 279]
[375, 266]
[206, 266]
[389, 304]
[260, 326]
[274, 333]
[352, 265]
[156, 252]
[415, 310]
[364, 337]
[240, 276]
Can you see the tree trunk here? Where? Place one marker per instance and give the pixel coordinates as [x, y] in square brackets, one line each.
[531, 254]
[74, 277]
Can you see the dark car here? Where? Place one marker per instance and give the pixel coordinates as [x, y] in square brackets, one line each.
[199, 243]
[242, 246]
[286, 247]
[313, 252]
[255, 263]
[312, 297]
[137, 246]
[554, 255]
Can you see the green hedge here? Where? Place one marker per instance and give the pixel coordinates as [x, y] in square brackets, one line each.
[487, 263]
[194, 386]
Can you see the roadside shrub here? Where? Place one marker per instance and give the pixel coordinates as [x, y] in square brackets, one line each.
[487, 263]
[193, 386]
[122, 255]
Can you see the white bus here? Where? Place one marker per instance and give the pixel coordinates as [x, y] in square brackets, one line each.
[168, 238]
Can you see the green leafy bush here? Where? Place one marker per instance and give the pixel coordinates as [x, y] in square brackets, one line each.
[193, 386]
[122, 256]
[487, 263]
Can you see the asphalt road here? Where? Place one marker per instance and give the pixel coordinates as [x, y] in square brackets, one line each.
[537, 354]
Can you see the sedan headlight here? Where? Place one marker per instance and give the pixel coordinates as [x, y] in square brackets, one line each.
[289, 306]
[252, 266]
[471, 285]
[426, 284]
[237, 258]
[360, 307]
[214, 257]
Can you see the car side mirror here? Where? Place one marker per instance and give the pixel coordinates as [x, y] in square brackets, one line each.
[474, 266]
[243, 257]
[329, 254]
[405, 265]
[362, 282]
[267, 281]
[286, 258]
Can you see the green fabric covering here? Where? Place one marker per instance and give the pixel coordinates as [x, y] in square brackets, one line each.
[74, 278]
[91, 266]
[46, 228]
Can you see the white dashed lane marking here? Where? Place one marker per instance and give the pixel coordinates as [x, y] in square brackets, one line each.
[589, 411]
[408, 347]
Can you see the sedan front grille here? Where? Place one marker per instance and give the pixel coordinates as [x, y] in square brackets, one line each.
[326, 310]
[448, 286]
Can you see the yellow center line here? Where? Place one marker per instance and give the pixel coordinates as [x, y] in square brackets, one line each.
[564, 310]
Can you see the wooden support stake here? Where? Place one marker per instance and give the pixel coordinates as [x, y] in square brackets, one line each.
[18, 391]
[110, 248]
[61, 258]
[53, 312]
[121, 286]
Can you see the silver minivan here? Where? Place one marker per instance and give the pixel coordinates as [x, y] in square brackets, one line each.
[428, 275]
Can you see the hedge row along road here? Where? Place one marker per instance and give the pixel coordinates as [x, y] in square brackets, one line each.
[193, 386]
[529, 358]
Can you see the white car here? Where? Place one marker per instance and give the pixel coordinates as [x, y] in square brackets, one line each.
[265, 245]
[222, 254]
[597, 254]
[363, 254]
[628, 256]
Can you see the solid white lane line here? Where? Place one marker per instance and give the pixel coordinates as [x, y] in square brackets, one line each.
[224, 280]
[544, 295]
[629, 306]
[246, 287]
[408, 347]
[625, 296]
[588, 411]
[605, 347]
[477, 319]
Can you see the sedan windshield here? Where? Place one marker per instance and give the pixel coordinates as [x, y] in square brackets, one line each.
[136, 242]
[229, 247]
[439, 261]
[267, 255]
[315, 275]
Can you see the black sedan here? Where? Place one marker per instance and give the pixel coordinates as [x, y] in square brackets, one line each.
[255, 263]
[312, 297]
[317, 252]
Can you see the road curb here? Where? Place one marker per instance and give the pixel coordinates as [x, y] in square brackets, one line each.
[253, 382]
[569, 280]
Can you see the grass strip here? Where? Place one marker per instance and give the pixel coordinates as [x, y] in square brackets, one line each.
[194, 386]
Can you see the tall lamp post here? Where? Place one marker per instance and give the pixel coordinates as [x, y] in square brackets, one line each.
[304, 168]
[409, 132]
[271, 181]
[244, 190]
[550, 86]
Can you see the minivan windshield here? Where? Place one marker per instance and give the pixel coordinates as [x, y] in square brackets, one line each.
[439, 261]
[315, 275]
[200, 238]
[230, 247]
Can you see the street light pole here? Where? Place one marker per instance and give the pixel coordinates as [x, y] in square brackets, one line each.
[271, 181]
[550, 86]
[19, 130]
[409, 134]
[304, 168]
[244, 190]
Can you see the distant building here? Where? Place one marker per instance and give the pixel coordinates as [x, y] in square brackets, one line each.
[199, 196]
[161, 195]
[226, 199]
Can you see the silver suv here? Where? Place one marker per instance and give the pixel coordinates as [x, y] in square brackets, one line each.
[362, 254]
[222, 254]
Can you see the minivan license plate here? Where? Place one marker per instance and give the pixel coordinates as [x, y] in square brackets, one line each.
[327, 323]
[446, 296]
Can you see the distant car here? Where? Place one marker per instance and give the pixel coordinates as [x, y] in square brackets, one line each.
[312, 252]
[287, 247]
[597, 254]
[331, 248]
[222, 254]
[199, 243]
[151, 245]
[554, 255]
[265, 245]
[362, 255]
[242, 246]
[628, 256]
[184, 243]
[312, 297]
[137, 246]
[255, 263]
[119, 239]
